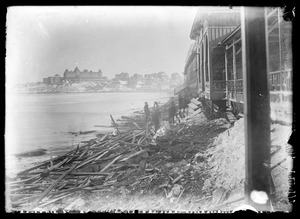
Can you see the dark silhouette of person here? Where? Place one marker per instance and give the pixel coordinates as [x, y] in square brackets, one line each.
[156, 116]
[147, 112]
[172, 111]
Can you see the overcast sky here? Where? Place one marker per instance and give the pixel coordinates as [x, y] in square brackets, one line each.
[44, 41]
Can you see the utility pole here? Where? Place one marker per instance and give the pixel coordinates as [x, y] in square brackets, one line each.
[256, 107]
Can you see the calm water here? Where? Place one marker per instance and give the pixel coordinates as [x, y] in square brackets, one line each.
[44, 120]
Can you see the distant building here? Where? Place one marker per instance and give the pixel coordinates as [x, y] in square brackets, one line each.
[134, 79]
[46, 80]
[123, 76]
[84, 75]
[56, 79]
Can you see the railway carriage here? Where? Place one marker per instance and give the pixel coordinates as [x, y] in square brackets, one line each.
[279, 53]
[217, 57]
[208, 30]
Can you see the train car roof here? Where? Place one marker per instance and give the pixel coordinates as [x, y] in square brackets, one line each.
[215, 16]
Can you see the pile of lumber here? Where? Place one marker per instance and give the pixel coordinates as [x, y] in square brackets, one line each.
[127, 162]
[194, 107]
[88, 167]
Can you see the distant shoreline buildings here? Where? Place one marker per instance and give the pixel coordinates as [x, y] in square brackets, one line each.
[121, 81]
[75, 76]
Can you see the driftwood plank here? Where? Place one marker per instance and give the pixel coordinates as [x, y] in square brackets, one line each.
[116, 126]
[133, 139]
[111, 163]
[47, 162]
[24, 189]
[134, 144]
[23, 181]
[92, 158]
[104, 138]
[136, 125]
[195, 101]
[176, 135]
[54, 200]
[52, 186]
[101, 155]
[134, 154]
[278, 164]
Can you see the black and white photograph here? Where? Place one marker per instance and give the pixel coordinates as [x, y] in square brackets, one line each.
[181, 109]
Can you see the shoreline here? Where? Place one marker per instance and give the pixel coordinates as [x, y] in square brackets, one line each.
[56, 151]
[96, 92]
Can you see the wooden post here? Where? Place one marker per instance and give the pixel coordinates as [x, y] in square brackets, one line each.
[256, 107]
[116, 126]
[198, 67]
[234, 67]
[201, 65]
[226, 72]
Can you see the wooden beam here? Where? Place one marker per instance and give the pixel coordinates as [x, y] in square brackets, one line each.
[234, 67]
[116, 126]
[233, 43]
[271, 13]
[256, 105]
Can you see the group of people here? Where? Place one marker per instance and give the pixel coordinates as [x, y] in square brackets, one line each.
[183, 102]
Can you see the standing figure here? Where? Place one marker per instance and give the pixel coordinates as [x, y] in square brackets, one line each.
[180, 104]
[147, 112]
[155, 116]
[172, 111]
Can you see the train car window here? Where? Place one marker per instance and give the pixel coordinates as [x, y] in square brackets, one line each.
[230, 63]
[218, 64]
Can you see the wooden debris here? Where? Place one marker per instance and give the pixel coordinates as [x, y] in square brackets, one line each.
[230, 117]
[180, 195]
[136, 125]
[108, 165]
[135, 154]
[195, 101]
[177, 178]
[194, 114]
[51, 187]
[54, 200]
[278, 164]
[193, 106]
[105, 164]
[115, 125]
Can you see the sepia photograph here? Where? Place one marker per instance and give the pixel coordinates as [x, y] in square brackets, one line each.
[182, 109]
